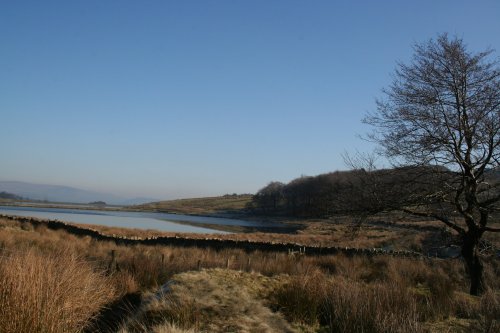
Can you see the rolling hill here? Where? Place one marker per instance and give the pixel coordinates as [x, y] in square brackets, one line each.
[57, 193]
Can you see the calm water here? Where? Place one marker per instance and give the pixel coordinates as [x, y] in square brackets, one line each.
[138, 220]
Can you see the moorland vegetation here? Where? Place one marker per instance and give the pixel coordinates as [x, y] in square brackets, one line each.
[58, 282]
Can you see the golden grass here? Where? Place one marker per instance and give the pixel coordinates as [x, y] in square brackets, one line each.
[214, 300]
[49, 293]
[231, 290]
[161, 328]
[327, 235]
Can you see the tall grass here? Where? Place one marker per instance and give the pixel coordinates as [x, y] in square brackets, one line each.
[56, 293]
[339, 305]
[489, 312]
[379, 307]
[170, 314]
[46, 287]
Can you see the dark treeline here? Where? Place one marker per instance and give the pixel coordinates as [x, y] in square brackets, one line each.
[10, 196]
[348, 192]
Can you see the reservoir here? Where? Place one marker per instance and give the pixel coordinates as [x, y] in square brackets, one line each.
[135, 220]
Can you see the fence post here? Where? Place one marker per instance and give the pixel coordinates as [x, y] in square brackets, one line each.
[112, 261]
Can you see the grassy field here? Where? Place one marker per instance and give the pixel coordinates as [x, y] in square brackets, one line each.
[227, 204]
[52, 281]
[200, 206]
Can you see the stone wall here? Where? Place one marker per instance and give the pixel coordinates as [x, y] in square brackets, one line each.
[213, 243]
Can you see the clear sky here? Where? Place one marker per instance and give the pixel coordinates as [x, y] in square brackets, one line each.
[175, 99]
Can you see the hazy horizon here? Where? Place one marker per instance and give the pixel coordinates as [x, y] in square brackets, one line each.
[191, 99]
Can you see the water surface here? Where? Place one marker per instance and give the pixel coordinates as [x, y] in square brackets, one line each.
[136, 220]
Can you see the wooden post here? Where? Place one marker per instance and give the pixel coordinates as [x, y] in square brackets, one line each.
[112, 261]
[227, 263]
[199, 264]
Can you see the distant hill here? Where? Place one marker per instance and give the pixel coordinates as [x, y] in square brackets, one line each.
[224, 204]
[9, 196]
[137, 201]
[56, 193]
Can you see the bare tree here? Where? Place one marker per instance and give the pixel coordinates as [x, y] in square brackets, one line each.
[442, 112]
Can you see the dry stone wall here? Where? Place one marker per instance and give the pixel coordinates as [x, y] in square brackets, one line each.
[213, 243]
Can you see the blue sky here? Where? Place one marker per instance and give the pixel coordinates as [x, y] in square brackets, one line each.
[192, 98]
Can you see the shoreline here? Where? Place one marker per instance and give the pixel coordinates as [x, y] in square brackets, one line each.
[214, 242]
[285, 228]
[118, 208]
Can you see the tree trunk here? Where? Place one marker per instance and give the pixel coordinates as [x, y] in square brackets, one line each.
[473, 263]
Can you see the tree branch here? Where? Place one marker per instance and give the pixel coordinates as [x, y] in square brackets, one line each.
[490, 229]
[446, 221]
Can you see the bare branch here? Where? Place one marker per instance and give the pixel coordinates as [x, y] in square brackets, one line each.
[490, 229]
[445, 220]
[443, 110]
